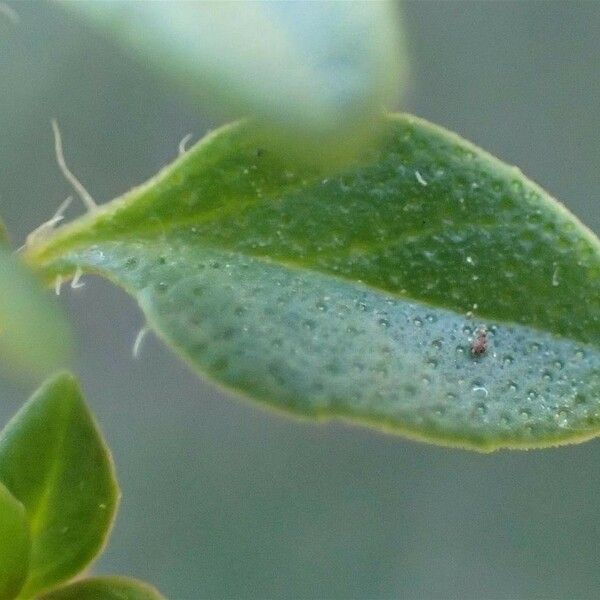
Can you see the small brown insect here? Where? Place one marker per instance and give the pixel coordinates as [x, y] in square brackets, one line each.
[479, 344]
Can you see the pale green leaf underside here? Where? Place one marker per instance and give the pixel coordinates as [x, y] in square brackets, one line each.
[317, 72]
[14, 545]
[105, 588]
[358, 295]
[53, 460]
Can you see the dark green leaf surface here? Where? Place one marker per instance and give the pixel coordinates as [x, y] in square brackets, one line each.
[53, 460]
[360, 295]
[105, 588]
[34, 335]
[317, 73]
[14, 545]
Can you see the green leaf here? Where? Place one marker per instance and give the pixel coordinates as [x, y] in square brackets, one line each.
[3, 233]
[53, 460]
[360, 296]
[105, 588]
[14, 545]
[34, 335]
[317, 73]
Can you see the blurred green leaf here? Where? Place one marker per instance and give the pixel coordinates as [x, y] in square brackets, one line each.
[317, 73]
[54, 461]
[14, 545]
[3, 233]
[360, 296]
[105, 588]
[34, 335]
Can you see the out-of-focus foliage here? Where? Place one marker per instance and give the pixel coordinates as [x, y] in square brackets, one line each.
[15, 545]
[318, 75]
[34, 335]
[105, 588]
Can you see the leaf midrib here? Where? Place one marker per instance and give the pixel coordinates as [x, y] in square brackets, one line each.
[97, 228]
[106, 273]
[37, 514]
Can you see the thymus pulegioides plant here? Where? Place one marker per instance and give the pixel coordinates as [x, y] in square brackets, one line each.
[319, 256]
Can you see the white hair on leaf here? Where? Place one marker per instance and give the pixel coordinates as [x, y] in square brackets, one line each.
[76, 282]
[420, 178]
[139, 338]
[182, 144]
[87, 200]
[58, 284]
[41, 232]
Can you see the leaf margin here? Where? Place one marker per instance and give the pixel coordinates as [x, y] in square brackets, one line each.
[502, 169]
